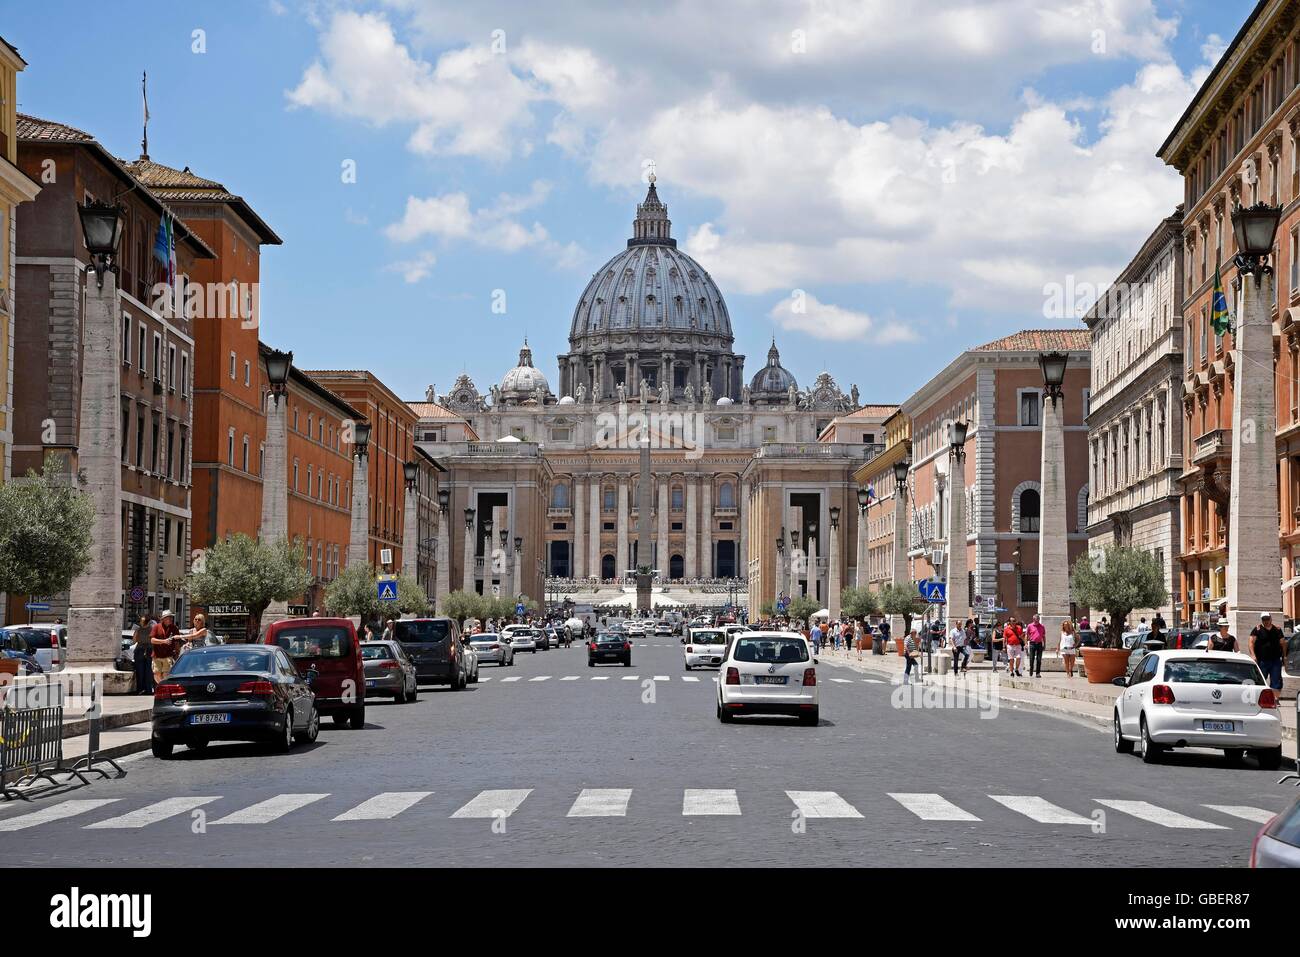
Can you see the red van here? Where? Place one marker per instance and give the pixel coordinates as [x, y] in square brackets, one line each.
[330, 645]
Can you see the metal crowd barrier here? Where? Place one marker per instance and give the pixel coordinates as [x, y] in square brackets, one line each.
[31, 738]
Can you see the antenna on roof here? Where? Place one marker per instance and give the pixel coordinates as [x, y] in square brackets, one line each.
[144, 94]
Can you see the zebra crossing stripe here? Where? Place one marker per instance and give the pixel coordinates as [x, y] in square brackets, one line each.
[600, 677]
[491, 803]
[661, 677]
[842, 681]
[1145, 811]
[709, 801]
[689, 678]
[512, 678]
[485, 678]
[601, 802]
[55, 812]
[569, 678]
[1243, 811]
[157, 811]
[933, 807]
[381, 807]
[1037, 809]
[272, 809]
[822, 804]
[541, 678]
[629, 677]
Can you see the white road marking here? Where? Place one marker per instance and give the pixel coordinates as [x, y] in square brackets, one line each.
[600, 677]
[629, 677]
[381, 807]
[485, 678]
[491, 803]
[689, 678]
[1037, 809]
[933, 807]
[1145, 811]
[55, 812]
[601, 802]
[157, 811]
[569, 678]
[513, 678]
[822, 804]
[272, 809]
[1243, 811]
[697, 801]
[872, 681]
[843, 681]
[661, 677]
[541, 678]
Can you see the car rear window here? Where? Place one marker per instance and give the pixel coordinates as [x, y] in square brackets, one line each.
[204, 663]
[1212, 671]
[421, 632]
[375, 652]
[771, 650]
[709, 638]
[327, 641]
[35, 637]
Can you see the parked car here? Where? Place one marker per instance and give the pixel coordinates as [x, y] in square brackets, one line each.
[1278, 842]
[435, 646]
[522, 640]
[1210, 699]
[389, 671]
[705, 647]
[48, 644]
[492, 647]
[14, 646]
[234, 693]
[609, 646]
[330, 647]
[1090, 638]
[768, 672]
[664, 629]
[125, 660]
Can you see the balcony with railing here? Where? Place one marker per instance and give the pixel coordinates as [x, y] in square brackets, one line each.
[1215, 444]
[819, 450]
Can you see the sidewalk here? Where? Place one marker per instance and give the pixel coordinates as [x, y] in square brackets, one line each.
[1054, 691]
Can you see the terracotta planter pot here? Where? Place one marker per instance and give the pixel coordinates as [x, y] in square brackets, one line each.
[1102, 664]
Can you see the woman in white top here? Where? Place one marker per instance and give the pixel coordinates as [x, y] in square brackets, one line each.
[1069, 646]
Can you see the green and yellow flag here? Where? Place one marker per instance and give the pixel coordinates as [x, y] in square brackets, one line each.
[1219, 316]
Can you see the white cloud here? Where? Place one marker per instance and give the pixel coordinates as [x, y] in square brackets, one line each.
[413, 270]
[803, 312]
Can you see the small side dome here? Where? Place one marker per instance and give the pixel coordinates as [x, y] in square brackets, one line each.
[773, 381]
[567, 400]
[522, 382]
[725, 400]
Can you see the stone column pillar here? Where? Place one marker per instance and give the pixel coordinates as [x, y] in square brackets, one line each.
[692, 534]
[443, 585]
[95, 599]
[275, 490]
[958, 605]
[833, 574]
[411, 532]
[1254, 560]
[578, 500]
[742, 518]
[661, 531]
[813, 575]
[860, 574]
[706, 530]
[468, 577]
[593, 536]
[359, 539]
[779, 576]
[621, 556]
[518, 558]
[901, 575]
[1053, 547]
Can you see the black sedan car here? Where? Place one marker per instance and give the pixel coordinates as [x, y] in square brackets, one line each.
[607, 647]
[234, 693]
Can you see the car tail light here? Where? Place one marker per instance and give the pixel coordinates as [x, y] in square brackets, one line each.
[1254, 845]
[54, 644]
[257, 688]
[168, 691]
[1162, 694]
[1268, 698]
[733, 676]
[809, 676]
[627, 646]
[451, 651]
[690, 650]
[389, 665]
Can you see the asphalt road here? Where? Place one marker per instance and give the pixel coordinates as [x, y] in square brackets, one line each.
[630, 770]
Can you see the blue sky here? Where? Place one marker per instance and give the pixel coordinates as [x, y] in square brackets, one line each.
[919, 180]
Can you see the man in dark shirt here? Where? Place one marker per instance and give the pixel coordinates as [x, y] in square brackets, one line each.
[1222, 641]
[1268, 647]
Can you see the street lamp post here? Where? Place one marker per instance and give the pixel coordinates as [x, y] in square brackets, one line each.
[467, 574]
[810, 552]
[901, 539]
[860, 569]
[958, 602]
[1053, 547]
[833, 573]
[443, 558]
[780, 568]
[275, 465]
[1254, 561]
[95, 601]
[796, 560]
[519, 563]
[359, 542]
[411, 519]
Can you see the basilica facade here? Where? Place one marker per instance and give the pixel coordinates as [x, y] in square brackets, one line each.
[544, 478]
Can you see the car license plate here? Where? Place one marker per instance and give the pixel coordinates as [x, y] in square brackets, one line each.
[223, 718]
[371, 682]
[1216, 725]
[769, 680]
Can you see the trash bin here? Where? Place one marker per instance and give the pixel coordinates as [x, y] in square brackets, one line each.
[942, 662]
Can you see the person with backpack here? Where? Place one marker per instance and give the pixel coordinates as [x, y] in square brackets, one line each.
[1268, 648]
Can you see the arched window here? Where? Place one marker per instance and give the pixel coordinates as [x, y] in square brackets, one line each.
[727, 496]
[560, 496]
[607, 567]
[1029, 510]
[676, 567]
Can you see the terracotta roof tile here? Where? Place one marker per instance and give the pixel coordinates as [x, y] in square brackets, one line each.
[871, 412]
[432, 410]
[1040, 340]
[35, 128]
[159, 176]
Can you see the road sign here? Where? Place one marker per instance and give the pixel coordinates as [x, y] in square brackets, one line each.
[933, 592]
[782, 604]
[385, 556]
[137, 594]
[520, 609]
[387, 590]
[37, 606]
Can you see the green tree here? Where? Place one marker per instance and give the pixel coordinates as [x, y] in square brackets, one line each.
[464, 604]
[412, 599]
[900, 600]
[766, 610]
[253, 573]
[1117, 579]
[802, 608]
[859, 603]
[45, 532]
[353, 593]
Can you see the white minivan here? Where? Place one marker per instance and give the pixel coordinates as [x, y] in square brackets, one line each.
[768, 672]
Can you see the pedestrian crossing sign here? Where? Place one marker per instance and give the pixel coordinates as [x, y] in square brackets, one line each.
[387, 590]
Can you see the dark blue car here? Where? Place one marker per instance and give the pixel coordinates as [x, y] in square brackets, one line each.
[13, 645]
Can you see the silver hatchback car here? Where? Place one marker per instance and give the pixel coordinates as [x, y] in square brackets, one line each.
[492, 648]
[389, 671]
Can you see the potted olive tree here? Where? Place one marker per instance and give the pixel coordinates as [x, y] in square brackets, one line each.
[1115, 579]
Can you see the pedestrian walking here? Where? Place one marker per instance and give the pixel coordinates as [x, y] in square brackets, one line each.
[957, 639]
[1222, 641]
[858, 635]
[1268, 648]
[1069, 647]
[1037, 635]
[909, 655]
[141, 658]
[165, 644]
[815, 636]
[388, 630]
[1014, 636]
[997, 646]
[878, 647]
